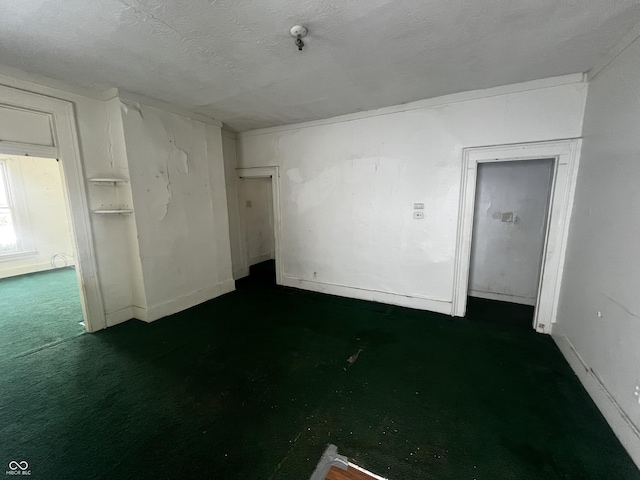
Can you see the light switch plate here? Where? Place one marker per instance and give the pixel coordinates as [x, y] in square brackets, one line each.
[418, 206]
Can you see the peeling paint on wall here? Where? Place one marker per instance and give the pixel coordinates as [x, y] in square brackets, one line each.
[127, 105]
[178, 156]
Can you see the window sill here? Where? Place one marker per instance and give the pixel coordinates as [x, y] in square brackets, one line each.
[9, 257]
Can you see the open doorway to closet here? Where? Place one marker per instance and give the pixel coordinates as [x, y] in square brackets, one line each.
[39, 291]
[256, 209]
[491, 210]
[508, 239]
[258, 196]
[509, 230]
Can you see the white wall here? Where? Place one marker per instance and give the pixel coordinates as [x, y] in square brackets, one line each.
[238, 252]
[180, 209]
[147, 267]
[512, 200]
[256, 207]
[348, 186]
[97, 156]
[41, 210]
[601, 272]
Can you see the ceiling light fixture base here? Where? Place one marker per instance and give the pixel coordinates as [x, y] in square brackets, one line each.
[298, 32]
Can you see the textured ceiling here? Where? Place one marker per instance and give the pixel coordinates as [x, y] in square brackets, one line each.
[235, 60]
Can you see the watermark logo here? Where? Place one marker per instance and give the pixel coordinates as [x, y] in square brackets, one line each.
[18, 468]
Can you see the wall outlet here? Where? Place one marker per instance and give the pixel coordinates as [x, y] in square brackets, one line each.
[637, 393]
[419, 215]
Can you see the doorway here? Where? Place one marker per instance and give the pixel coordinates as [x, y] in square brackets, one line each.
[39, 287]
[509, 230]
[256, 213]
[45, 127]
[259, 201]
[564, 155]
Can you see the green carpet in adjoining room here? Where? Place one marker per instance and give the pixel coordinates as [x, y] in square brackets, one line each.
[38, 309]
[255, 384]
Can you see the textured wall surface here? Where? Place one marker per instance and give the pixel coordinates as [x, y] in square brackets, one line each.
[599, 309]
[348, 188]
[235, 60]
[180, 208]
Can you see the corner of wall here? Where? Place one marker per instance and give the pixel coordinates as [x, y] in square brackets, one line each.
[622, 426]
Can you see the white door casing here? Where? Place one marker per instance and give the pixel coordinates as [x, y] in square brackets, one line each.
[566, 154]
[273, 173]
[63, 146]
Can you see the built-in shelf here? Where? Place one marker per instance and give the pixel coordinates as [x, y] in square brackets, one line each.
[107, 181]
[113, 211]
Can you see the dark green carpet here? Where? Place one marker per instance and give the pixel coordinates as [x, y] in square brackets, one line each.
[38, 309]
[255, 384]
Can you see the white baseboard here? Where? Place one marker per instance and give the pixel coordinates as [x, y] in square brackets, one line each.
[119, 316]
[618, 420]
[141, 313]
[420, 303]
[262, 258]
[187, 301]
[25, 269]
[240, 273]
[503, 297]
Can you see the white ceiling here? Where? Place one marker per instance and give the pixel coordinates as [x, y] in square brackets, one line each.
[235, 60]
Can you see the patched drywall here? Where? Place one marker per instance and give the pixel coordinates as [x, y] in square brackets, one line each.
[348, 190]
[256, 207]
[235, 60]
[598, 321]
[41, 217]
[180, 208]
[509, 226]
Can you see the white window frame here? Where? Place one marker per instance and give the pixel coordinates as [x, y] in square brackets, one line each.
[5, 177]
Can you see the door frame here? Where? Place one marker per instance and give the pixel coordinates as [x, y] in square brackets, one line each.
[65, 148]
[566, 155]
[274, 174]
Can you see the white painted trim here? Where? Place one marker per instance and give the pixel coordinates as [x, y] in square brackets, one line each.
[566, 154]
[141, 313]
[27, 149]
[240, 273]
[622, 426]
[21, 255]
[429, 103]
[63, 124]
[411, 301]
[626, 41]
[119, 316]
[189, 300]
[125, 96]
[502, 297]
[274, 174]
[14, 271]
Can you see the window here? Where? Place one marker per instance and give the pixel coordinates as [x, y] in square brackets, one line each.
[8, 234]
